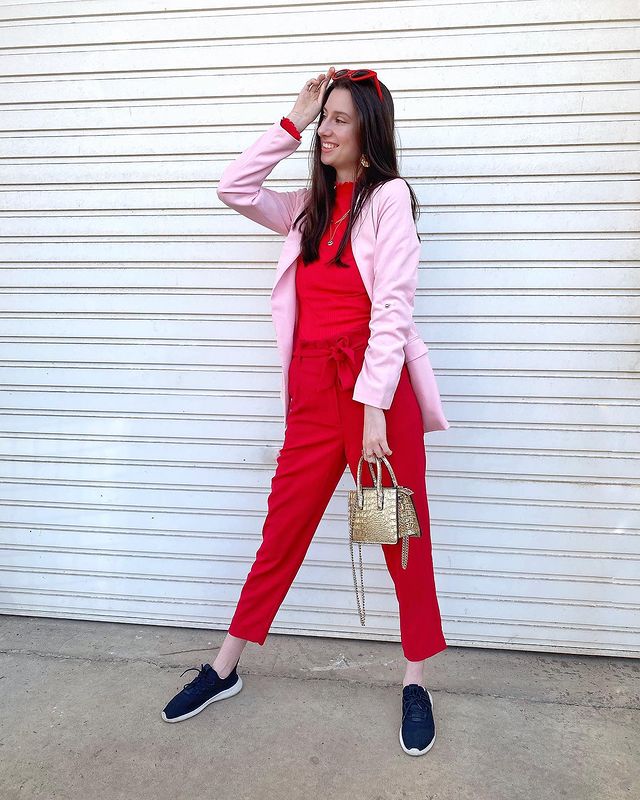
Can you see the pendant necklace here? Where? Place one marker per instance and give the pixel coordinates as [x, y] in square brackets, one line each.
[336, 227]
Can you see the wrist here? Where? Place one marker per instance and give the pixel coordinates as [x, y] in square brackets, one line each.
[298, 120]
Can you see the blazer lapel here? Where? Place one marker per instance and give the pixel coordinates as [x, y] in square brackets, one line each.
[362, 241]
[284, 312]
[284, 303]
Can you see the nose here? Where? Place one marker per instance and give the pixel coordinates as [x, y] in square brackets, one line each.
[324, 128]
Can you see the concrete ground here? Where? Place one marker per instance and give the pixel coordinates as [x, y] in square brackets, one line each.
[317, 717]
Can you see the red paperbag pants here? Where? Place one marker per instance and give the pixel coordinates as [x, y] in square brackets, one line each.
[323, 434]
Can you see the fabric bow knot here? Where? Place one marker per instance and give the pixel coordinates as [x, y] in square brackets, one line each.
[342, 353]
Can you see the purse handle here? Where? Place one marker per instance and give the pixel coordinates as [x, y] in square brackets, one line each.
[376, 478]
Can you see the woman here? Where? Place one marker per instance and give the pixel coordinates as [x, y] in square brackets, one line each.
[346, 384]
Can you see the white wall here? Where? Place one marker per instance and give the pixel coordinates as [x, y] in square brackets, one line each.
[139, 429]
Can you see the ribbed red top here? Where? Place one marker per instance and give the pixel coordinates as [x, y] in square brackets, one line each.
[290, 127]
[331, 299]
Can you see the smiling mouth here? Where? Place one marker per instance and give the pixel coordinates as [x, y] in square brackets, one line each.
[330, 148]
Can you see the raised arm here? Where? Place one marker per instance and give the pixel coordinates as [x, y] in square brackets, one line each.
[240, 186]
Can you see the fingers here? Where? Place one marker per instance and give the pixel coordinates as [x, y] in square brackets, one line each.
[322, 78]
[321, 82]
[315, 83]
[373, 453]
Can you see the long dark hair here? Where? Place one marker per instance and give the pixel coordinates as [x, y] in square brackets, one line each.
[376, 131]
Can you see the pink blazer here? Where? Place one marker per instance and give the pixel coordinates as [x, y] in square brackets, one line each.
[386, 249]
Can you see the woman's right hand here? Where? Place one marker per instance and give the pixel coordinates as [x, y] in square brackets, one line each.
[309, 102]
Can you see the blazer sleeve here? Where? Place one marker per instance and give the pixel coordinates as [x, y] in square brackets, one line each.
[395, 265]
[240, 185]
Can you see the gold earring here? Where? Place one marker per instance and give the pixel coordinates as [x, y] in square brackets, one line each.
[363, 161]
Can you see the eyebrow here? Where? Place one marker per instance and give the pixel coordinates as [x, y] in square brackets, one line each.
[340, 113]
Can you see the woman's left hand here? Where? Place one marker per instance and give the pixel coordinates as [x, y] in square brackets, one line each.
[374, 440]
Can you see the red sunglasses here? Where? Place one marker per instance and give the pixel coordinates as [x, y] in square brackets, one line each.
[359, 75]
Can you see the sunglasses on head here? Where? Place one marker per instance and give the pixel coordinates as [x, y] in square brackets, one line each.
[359, 75]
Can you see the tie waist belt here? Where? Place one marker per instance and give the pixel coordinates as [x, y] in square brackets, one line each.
[341, 350]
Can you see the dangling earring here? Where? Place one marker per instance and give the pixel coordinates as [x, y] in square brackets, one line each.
[363, 161]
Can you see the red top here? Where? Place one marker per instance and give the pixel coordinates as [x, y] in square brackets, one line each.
[331, 299]
[290, 127]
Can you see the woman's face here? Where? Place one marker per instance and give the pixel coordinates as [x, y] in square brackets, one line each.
[337, 126]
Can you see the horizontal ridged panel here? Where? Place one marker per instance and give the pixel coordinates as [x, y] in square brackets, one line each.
[141, 410]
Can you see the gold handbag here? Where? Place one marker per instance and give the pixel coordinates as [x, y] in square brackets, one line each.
[380, 515]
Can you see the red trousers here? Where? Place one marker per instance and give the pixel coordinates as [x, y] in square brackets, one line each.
[323, 435]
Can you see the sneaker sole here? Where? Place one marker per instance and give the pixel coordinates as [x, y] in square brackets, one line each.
[220, 696]
[413, 751]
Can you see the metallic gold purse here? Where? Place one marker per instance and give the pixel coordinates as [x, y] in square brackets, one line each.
[380, 515]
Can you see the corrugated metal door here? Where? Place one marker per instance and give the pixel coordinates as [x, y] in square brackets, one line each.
[140, 376]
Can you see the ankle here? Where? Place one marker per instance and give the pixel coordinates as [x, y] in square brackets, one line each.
[223, 669]
[414, 673]
[415, 677]
[224, 666]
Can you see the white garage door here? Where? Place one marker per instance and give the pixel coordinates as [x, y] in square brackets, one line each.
[140, 427]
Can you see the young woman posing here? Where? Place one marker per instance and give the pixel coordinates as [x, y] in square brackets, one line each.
[342, 304]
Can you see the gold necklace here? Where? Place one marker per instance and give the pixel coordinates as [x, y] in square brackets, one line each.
[336, 227]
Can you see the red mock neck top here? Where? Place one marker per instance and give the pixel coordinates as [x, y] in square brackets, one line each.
[330, 298]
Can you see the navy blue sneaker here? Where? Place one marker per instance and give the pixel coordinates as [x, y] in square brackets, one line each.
[418, 729]
[205, 688]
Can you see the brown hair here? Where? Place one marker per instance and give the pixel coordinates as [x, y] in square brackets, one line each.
[375, 127]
